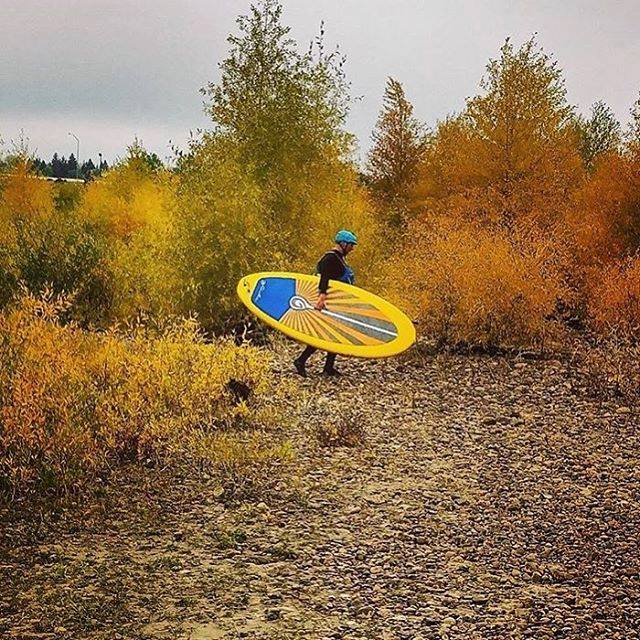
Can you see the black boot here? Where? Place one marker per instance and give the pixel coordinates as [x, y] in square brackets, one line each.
[331, 373]
[300, 367]
[329, 366]
[300, 362]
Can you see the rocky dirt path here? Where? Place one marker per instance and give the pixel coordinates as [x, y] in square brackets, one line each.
[491, 498]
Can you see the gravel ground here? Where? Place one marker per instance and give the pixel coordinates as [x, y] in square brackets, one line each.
[480, 498]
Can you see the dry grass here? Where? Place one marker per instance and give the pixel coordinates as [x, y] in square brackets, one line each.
[346, 429]
[611, 368]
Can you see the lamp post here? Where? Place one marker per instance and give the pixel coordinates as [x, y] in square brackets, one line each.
[77, 153]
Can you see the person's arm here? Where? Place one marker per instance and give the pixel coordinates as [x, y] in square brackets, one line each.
[330, 268]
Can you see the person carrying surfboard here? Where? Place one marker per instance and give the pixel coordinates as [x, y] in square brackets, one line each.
[332, 266]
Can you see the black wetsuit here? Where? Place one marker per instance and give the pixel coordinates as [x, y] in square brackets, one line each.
[330, 267]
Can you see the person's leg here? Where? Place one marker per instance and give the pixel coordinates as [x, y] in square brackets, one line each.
[300, 362]
[329, 365]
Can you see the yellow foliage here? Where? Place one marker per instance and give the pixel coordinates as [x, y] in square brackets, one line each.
[126, 199]
[487, 256]
[336, 201]
[135, 209]
[44, 245]
[222, 232]
[512, 154]
[227, 225]
[73, 403]
[23, 199]
[25, 195]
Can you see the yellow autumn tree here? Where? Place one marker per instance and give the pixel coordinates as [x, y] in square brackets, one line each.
[132, 208]
[487, 250]
[515, 145]
[399, 140]
[273, 180]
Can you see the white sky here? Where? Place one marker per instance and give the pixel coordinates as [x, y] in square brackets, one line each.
[109, 70]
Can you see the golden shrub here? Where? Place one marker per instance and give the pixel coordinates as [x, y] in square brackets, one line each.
[23, 200]
[473, 285]
[74, 403]
[43, 244]
[25, 195]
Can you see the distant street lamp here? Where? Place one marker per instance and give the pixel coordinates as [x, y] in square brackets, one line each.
[77, 153]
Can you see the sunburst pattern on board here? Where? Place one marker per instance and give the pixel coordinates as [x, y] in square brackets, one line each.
[346, 319]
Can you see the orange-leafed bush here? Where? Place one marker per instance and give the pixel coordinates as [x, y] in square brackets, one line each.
[473, 285]
[605, 219]
[614, 300]
[75, 403]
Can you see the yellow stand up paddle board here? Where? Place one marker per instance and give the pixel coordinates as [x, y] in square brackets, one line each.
[354, 322]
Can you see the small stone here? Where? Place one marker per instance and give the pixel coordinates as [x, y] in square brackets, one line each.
[218, 492]
[479, 599]
[375, 498]
[429, 618]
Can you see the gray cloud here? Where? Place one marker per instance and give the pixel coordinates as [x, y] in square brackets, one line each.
[111, 69]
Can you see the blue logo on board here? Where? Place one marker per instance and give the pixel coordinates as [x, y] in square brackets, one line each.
[272, 295]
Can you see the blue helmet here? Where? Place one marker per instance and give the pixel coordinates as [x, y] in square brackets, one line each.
[346, 236]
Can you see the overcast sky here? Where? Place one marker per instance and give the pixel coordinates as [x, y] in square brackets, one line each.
[109, 70]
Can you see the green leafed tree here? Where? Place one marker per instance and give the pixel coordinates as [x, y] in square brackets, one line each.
[284, 108]
[633, 132]
[398, 146]
[599, 134]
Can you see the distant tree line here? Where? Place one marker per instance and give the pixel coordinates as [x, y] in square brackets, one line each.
[61, 167]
